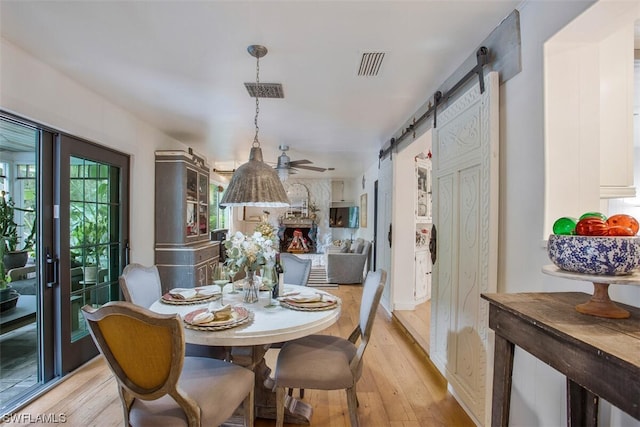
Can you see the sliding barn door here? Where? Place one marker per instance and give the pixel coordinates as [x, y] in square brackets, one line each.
[465, 183]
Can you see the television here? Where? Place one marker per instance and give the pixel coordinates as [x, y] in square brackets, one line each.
[346, 217]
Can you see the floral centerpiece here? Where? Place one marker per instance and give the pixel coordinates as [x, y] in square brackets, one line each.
[249, 253]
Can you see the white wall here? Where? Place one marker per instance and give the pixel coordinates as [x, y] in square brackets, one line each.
[538, 392]
[34, 90]
[538, 396]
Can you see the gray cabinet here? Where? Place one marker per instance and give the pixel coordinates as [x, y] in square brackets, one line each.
[184, 254]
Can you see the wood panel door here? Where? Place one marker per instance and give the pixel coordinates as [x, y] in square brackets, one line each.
[465, 177]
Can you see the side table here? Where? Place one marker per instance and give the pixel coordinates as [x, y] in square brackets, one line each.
[599, 356]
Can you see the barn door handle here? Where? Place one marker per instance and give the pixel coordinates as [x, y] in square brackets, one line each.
[433, 240]
[390, 235]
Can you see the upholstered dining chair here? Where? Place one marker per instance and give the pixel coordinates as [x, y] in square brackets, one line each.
[296, 269]
[158, 385]
[325, 362]
[141, 286]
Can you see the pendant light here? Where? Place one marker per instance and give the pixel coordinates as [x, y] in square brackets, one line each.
[255, 183]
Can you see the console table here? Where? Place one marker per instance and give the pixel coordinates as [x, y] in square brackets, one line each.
[600, 357]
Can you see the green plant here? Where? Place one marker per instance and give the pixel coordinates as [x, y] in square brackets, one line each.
[9, 227]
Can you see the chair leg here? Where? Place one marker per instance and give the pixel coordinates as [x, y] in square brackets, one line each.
[301, 393]
[352, 403]
[279, 406]
[248, 406]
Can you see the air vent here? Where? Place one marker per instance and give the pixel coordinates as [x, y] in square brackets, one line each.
[370, 64]
[265, 90]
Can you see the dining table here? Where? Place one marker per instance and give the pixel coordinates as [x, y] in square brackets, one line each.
[250, 339]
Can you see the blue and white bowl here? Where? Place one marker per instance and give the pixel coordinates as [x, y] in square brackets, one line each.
[601, 255]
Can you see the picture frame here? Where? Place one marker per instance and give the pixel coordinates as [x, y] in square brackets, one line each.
[363, 210]
[251, 214]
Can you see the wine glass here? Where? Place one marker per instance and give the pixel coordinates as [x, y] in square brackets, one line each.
[232, 270]
[220, 278]
[269, 280]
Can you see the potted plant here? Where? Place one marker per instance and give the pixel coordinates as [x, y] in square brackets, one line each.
[5, 289]
[12, 256]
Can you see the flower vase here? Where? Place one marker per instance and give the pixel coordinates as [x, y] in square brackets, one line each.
[250, 287]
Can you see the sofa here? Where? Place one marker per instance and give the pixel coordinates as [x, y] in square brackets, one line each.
[348, 266]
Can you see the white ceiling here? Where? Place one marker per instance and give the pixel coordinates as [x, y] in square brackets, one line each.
[181, 65]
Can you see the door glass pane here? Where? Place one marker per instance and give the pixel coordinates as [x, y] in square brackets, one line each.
[94, 231]
[20, 371]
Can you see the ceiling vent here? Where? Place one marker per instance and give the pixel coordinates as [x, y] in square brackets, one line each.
[265, 90]
[370, 64]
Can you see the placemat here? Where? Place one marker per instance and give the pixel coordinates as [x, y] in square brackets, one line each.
[241, 316]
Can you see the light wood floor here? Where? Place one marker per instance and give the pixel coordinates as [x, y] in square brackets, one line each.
[399, 386]
[416, 323]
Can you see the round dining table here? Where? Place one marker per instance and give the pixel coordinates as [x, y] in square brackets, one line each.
[249, 341]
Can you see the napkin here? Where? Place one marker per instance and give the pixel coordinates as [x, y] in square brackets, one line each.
[208, 290]
[180, 293]
[221, 313]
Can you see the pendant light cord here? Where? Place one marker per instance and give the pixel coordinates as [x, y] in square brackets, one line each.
[256, 143]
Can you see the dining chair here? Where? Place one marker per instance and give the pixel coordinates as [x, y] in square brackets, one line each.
[141, 285]
[296, 269]
[325, 362]
[158, 385]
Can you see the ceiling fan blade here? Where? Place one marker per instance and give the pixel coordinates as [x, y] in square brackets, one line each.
[312, 168]
[300, 162]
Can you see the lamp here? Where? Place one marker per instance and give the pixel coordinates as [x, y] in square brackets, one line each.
[255, 183]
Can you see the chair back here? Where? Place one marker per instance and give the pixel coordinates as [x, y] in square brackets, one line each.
[141, 285]
[145, 350]
[371, 294]
[21, 273]
[296, 269]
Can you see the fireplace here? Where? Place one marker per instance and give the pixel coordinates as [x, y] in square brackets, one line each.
[298, 236]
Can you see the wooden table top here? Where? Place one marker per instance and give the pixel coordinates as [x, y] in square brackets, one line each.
[555, 314]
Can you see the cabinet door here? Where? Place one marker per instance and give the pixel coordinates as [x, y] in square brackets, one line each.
[192, 203]
[203, 204]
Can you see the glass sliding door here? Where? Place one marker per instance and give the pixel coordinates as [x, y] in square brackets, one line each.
[93, 226]
[20, 300]
[70, 203]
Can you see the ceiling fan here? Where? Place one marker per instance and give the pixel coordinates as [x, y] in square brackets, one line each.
[286, 165]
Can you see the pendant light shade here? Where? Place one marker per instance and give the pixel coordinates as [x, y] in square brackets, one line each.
[255, 183]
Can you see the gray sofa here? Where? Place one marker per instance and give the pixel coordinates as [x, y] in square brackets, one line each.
[348, 266]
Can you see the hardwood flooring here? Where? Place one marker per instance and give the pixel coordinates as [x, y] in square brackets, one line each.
[416, 323]
[399, 386]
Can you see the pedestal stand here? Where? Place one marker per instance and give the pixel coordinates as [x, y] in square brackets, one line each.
[600, 304]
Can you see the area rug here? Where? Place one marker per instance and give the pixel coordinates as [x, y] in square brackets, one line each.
[318, 278]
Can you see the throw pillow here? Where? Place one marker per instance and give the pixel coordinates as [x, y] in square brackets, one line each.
[344, 250]
[360, 248]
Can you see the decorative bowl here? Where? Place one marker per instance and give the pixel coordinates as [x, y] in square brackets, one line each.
[601, 255]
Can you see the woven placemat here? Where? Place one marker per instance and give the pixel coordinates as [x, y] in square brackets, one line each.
[309, 306]
[213, 297]
[242, 321]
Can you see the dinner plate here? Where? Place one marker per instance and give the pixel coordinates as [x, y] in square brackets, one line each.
[239, 316]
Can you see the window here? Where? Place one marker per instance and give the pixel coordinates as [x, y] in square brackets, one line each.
[218, 215]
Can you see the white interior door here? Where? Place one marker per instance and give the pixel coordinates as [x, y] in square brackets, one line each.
[465, 183]
[384, 237]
